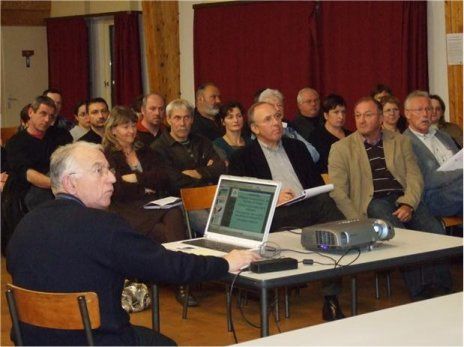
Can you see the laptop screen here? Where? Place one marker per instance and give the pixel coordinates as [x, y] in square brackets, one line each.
[242, 209]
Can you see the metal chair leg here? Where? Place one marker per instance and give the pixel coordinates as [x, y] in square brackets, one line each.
[276, 302]
[389, 284]
[185, 303]
[377, 289]
[229, 308]
[287, 302]
[14, 318]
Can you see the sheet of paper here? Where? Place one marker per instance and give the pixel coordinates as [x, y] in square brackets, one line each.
[307, 193]
[453, 163]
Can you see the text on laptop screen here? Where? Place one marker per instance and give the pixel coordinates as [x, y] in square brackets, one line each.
[241, 209]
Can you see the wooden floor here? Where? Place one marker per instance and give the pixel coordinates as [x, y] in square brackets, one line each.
[206, 324]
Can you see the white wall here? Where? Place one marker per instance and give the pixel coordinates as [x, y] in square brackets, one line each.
[436, 37]
[21, 84]
[438, 76]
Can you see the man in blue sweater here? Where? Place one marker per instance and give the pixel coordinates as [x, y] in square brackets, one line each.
[72, 244]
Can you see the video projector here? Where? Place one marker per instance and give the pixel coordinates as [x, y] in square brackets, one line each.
[344, 234]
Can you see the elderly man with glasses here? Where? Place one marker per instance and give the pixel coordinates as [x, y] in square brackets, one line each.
[433, 147]
[375, 175]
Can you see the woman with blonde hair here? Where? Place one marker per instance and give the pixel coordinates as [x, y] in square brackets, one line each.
[140, 178]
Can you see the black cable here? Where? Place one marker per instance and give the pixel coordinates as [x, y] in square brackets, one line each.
[229, 308]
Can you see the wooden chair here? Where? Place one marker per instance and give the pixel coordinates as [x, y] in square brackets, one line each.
[449, 223]
[194, 199]
[69, 311]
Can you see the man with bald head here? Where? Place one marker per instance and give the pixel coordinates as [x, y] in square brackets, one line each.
[309, 117]
[208, 102]
[150, 126]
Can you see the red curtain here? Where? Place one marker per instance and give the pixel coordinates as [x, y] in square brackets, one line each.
[335, 47]
[365, 43]
[127, 59]
[68, 60]
[243, 47]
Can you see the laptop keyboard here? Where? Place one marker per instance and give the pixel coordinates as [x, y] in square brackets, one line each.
[218, 246]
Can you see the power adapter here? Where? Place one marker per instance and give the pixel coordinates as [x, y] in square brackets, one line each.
[271, 265]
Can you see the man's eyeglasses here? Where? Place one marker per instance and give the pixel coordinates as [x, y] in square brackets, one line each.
[420, 110]
[98, 170]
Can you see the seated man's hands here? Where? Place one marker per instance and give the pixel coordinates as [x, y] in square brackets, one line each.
[192, 173]
[129, 178]
[240, 259]
[285, 195]
[404, 213]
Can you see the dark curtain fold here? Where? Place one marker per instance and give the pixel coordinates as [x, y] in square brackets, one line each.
[243, 47]
[127, 58]
[68, 60]
[334, 46]
[365, 43]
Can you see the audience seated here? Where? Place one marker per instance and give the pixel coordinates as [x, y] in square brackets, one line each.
[82, 119]
[309, 117]
[208, 102]
[98, 111]
[375, 175]
[28, 154]
[59, 120]
[275, 98]
[438, 120]
[140, 178]
[442, 189]
[72, 244]
[392, 119]
[150, 125]
[191, 158]
[274, 156]
[334, 108]
[231, 118]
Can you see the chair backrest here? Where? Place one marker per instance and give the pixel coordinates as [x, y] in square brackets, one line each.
[325, 177]
[197, 198]
[54, 310]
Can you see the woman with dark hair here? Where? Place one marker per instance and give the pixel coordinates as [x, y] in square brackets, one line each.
[438, 110]
[334, 107]
[392, 119]
[231, 118]
[380, 91]
[140, 178]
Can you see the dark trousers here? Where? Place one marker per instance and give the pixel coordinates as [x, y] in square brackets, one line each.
[146, 337]
[415, 277]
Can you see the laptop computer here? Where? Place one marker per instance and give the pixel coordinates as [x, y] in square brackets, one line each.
[241, 214]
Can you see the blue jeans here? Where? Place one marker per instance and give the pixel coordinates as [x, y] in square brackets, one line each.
[446, 200]
[422, 220]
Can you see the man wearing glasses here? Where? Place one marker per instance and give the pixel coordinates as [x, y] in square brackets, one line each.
[433, 147]
[375, 175]
[98, 111]
[72, 244]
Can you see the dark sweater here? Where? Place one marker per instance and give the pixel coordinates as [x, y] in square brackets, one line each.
[63, 246]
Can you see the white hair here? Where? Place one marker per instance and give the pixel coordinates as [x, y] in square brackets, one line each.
[413, 95]
[179, 104]
[63, 161]
[268, 93]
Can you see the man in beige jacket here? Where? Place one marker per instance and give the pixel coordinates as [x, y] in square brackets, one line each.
[375, 175]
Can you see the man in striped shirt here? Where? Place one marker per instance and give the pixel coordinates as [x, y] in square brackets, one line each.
[375, 175]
